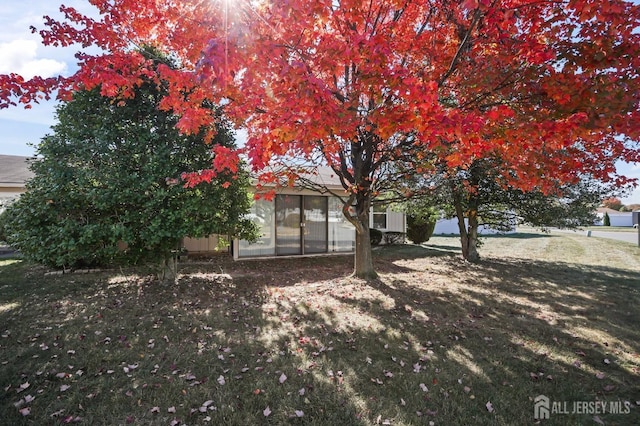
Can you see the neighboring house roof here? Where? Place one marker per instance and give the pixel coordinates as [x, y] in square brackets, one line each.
[603, 210]
[14, 171]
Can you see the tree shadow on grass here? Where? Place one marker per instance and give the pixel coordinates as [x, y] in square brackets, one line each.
[533, 327]
[434, 339]
[503, 331]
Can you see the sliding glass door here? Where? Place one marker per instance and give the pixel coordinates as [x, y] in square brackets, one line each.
[297, 224]
[315, 224]
[301, 224]
[288, 225]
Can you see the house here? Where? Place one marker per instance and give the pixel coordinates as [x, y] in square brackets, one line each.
[14, 174]
[446, 226]
[616, 217]
[298, 221]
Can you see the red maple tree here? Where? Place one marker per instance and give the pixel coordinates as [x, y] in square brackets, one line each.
[550, 88]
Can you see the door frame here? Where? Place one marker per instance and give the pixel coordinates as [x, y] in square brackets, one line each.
[302, 224]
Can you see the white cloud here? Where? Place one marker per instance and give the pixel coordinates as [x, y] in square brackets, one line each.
[21, 57]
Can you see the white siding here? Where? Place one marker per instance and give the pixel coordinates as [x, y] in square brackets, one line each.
[395, 221]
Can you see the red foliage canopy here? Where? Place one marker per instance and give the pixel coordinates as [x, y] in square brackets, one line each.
[549, 87]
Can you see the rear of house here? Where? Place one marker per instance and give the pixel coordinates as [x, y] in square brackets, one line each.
[296, 221]
[303, 222]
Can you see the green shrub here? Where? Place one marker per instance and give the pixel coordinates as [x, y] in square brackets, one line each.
[391, 238]
[3, 231]
[607, 220]
[420, 229]
[375, 236]
[108, 189]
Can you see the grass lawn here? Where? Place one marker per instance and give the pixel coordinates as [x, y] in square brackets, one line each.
[434, 341]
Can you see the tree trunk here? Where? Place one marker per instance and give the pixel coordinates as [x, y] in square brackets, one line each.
[169, 269]
[168, 272]
[472, 254]
[363, 262]
[468, 237]
[363, 259]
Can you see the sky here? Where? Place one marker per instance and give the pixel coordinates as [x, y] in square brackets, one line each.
[21, 52]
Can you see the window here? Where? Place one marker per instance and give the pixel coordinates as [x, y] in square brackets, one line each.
[342, 234]
[262, 214]
[380, 217]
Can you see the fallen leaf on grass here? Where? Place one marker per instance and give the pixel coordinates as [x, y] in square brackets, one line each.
[598, 420]
[64, 388]
[283, 378]
[599, 375]
[221, 380]
[299, 413]
[23, 386]
[155, 410]
[171, 410]
[206, 406]
[267, 412]
[489, 406]
[424, 387]
[25, 411]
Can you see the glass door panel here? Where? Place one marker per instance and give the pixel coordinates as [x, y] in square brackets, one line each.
[315, 224]
[288, 230]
